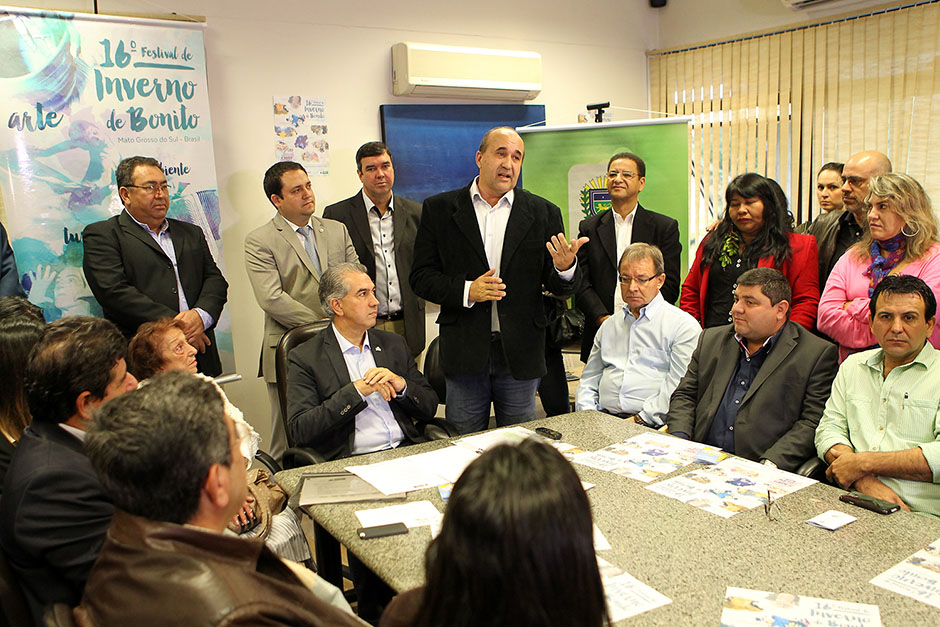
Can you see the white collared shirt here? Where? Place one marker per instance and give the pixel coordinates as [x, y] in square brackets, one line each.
[382, 229]
[654, 348]
[376, 427]
[623, 237]
[493, 221]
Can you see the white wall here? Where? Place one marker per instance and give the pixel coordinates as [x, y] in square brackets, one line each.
[340, 50]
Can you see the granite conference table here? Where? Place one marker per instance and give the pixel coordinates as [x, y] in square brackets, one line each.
[685, 553]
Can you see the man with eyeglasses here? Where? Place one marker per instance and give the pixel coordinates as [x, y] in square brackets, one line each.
[610, 233]
[837, 231]
[142, 266]
[756, 387]
[648, 338]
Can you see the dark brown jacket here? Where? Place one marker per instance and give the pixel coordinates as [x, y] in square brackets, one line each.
[152, 573]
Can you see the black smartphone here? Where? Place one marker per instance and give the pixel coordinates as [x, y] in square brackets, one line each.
[551, 434]
[870, 502]
[381, 531]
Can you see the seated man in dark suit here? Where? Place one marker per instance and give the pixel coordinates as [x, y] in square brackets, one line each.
[610, 232]
[54, 513]
[353, 389]
[166, 560]
[765, 404]
[345, 395]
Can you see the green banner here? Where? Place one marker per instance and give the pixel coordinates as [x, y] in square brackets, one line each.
[568, 166]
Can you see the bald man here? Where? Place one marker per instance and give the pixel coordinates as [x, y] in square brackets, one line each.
[836, 231]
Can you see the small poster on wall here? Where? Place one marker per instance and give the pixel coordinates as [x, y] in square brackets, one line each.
[300, 133]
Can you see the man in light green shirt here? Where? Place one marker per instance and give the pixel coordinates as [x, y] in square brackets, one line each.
[880, 431]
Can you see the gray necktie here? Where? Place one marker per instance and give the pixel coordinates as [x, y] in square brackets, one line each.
[311, 247]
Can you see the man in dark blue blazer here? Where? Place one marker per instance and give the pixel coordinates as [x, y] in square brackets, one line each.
[627, 222]
[54, 513]
[142, 266]
[484, 254]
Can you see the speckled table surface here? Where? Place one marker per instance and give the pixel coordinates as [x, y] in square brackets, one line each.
[685, 553]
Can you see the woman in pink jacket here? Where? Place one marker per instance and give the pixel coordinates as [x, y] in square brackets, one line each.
[901, 239]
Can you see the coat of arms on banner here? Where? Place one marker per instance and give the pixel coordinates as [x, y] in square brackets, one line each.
[587, 191]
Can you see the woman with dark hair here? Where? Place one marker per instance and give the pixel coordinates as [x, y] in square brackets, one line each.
[829, 187]
[21, 326]
[756, 231]
[514, 549]
[161, 346]
[901, 239]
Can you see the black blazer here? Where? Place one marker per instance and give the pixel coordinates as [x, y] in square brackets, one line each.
[407, 214]
[778, 417]
[322, 403]
[54, 515]
[133, 280]
[599, 263]
[449, 251]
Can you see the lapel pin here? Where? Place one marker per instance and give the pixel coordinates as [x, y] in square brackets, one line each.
[378, 349]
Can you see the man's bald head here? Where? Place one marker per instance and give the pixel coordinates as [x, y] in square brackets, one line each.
[859, 168]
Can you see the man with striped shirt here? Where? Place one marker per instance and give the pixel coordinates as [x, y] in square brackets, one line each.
[880, 431]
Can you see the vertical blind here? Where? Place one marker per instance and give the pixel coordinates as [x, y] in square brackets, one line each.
[785, 103]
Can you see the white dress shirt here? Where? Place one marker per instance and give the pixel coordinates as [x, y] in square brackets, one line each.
[493, 221]
[655, 348]
[623, 233]
[387, 290]
[376, 427]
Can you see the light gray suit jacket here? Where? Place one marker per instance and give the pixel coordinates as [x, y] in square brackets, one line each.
[284, 279]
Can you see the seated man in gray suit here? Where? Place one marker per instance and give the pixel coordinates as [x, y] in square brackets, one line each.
[382, 226]
[285, 258]
[765, 404]
[353, 389]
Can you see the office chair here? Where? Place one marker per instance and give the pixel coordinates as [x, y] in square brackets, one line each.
[434, 370]
[294, 456]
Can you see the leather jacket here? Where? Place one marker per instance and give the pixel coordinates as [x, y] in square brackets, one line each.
[155, 573]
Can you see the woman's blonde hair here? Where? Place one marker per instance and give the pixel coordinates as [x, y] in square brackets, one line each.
[911, 203]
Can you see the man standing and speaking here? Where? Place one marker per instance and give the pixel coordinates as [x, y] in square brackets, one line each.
[483, 252]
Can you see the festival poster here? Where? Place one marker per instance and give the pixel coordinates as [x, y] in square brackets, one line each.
[300, 133]
[78, 94]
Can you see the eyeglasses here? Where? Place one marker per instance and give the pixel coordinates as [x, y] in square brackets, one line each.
[152, 189]
[625, 174]
[639, 280]
[771, 509]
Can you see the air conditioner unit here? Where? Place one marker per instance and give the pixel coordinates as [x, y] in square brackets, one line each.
[458, 72]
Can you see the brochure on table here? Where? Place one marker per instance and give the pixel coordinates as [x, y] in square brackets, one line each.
[917, 577]
[747, 608]
[731, 486]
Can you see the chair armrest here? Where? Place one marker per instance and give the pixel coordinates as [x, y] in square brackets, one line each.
[295, 457]
[268, 462]
[814, 468]
[437, 429]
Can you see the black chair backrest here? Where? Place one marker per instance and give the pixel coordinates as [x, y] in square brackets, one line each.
[13, 608]
[293, 338]
[434, 371]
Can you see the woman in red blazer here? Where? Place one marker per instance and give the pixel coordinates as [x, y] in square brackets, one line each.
[756, 231]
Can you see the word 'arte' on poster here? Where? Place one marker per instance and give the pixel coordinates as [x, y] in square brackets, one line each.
[122, 89]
